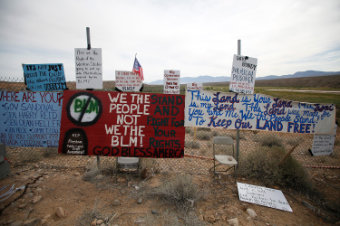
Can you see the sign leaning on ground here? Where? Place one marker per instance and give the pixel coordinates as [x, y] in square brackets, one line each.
[243, 74]
[323, 144]
[44, 77]
[195, 86]
[30, 119]
[122, 124]
[128, 81]
[263, 196]
[88, 68]
[256, 112]
[171, 82]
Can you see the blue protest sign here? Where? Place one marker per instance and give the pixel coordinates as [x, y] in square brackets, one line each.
[30, 119]
[44, 77]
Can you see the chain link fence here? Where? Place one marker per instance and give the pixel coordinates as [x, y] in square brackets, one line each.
[198, 147]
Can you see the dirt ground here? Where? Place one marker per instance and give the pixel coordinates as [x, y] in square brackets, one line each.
[126, 199]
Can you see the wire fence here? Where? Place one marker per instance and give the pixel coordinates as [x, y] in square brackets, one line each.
[198, 147]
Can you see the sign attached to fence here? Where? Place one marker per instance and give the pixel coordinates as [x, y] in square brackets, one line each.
[263, 196]
[195, 86]
[256, 112]
[243, 74]
[44, 77]
[323, 144]
[128, 81]
[88, 68]
[122, 124]
[171, 82]
[30, 119]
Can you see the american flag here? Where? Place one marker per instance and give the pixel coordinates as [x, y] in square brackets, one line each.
[137, 68]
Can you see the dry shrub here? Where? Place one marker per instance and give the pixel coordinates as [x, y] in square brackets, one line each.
[188, 130]
[263, 165]
[180, 191]
[88, 216]
[168, 218]
[192, 144]
[270, 140]
[50, 152]
[203, 135]
[207, 129]
[30, 156]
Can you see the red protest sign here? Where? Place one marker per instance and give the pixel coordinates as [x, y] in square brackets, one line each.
[122, 124]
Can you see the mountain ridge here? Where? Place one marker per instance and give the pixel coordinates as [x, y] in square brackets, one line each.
[207, 78]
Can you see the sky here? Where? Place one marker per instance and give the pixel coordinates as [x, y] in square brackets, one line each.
[197, 37]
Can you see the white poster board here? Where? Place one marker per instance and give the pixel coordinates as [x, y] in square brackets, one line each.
[195, 86]
[263, 196]
[88, 68]
[243, 74]
[171, 82]
[128, 81]
[323, 144]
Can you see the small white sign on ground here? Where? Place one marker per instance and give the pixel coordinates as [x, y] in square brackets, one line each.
[243, 74]
[323, 144]
[128, 81]
[195, 86]
[88, 68]
[263, 196]
[171, 82]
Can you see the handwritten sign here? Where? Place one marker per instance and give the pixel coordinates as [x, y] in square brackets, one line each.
[88, 68]
[323, 144]
[256, 112]
[263, 196]
[44, 77]
[195, 86]
[30, 119]
[243, 74]
[128, 81]
[171, 82]
[122, 124]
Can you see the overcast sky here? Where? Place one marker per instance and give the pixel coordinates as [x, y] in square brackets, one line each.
[197, 37]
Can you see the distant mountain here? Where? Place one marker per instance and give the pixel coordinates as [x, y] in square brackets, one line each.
[207, 78]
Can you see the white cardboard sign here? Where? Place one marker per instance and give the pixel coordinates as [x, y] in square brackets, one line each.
[263, 196]
[195, 86]
[88, 68]
[323, 144]
[171, 82]
[128, 81]
[243, 74]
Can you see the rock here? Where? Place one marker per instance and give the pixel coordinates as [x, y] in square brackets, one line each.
[60, 212]
[99, 177]
[36, 199]
[139, 221]
[100, 221]
[233, 222]
[251, 213]
[32, 222]
[121, 180]
[94, 222]
[211, 219]
[154, 212]
[22, 206]
[116, 202]
[139, 200]
[77, 174]
[191, 202]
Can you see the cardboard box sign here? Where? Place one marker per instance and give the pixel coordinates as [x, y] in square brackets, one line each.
[122, 124]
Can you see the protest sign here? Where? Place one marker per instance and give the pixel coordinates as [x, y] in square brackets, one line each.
[323, 144]
[30, 119]
[44, 77]
[263, 196]
[171, 82]
[256, 112]
[195, 86]
[88, 68]
[122, 124]
[243, 74]
[128, 81]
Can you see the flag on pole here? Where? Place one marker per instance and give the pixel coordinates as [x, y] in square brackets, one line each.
[137, 68]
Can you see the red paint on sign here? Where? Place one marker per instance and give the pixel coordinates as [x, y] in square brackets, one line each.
[122, 124]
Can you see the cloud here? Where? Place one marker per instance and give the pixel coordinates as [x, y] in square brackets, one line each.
[196, 37]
